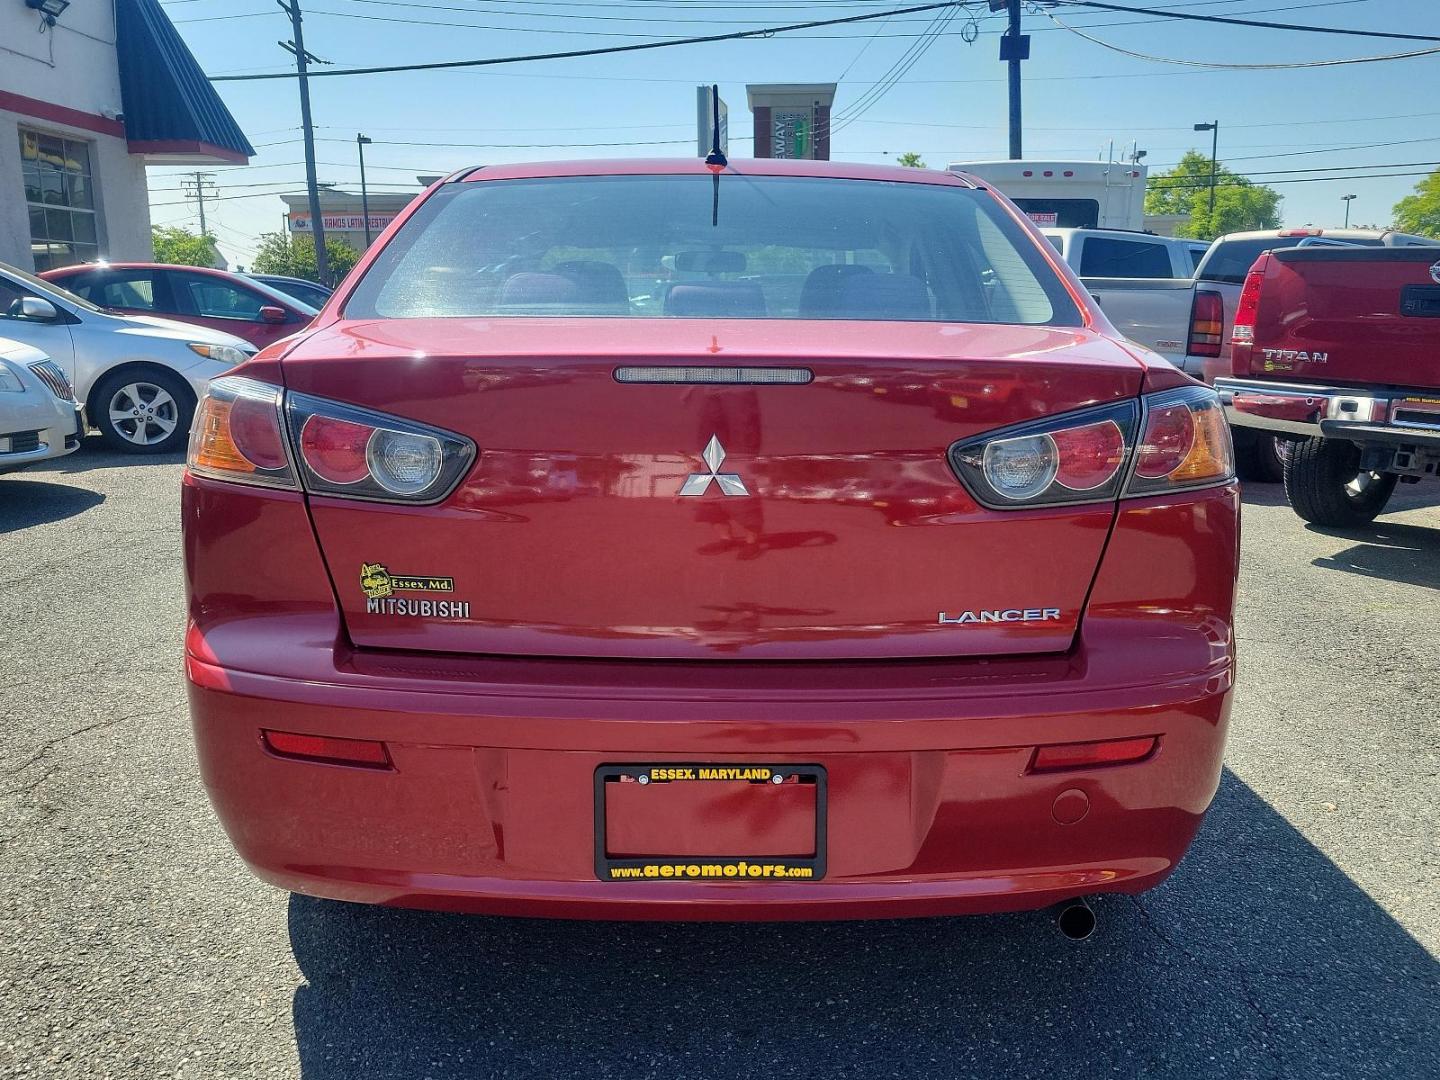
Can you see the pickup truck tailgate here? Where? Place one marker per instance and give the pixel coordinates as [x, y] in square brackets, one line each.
[1347, 316]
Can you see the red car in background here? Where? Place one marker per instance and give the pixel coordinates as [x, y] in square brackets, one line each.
[193, 294]
[1337, 349]
[646, 540]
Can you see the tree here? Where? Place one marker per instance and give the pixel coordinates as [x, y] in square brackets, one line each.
[1240, 204]
[295, 257]
[181, 247]
[910, 159]
[1420, 212]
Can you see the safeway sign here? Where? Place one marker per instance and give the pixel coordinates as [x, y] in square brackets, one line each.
[341, 222]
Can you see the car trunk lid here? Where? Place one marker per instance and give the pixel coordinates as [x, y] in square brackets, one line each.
[751, 520]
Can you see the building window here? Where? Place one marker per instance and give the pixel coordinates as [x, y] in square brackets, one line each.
[60, 196]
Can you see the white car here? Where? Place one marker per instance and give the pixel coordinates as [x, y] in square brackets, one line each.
[137, 376]
[39, 416]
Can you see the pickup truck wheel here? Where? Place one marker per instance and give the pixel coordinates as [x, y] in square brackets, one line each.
[1325, 486]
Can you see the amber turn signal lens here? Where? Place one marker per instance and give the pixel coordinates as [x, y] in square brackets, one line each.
[1210, 453]
[237, 435]
[214, 448]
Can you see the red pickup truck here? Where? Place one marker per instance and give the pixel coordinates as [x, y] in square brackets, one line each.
[1338, 349]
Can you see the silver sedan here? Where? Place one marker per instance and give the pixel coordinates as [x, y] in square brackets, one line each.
[138, 377]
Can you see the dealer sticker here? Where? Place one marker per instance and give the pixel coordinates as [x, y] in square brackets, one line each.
[380, 587]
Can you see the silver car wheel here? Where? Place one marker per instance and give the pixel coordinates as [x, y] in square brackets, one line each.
[143, 413]
[1362, 483]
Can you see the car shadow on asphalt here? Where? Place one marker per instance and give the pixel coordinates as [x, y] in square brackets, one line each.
[24, 503]
[1259, 493]
[1392, 551]
[95, 453]
[1259, 958]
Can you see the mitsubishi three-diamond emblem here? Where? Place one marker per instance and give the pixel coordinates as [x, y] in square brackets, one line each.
[699, 483]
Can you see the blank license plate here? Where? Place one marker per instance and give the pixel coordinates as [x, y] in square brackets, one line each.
[712, 822]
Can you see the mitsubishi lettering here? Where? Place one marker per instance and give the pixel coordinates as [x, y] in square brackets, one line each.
[684, 540]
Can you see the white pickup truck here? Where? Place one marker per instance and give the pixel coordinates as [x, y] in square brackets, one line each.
[1124, 253]
[1187, 320]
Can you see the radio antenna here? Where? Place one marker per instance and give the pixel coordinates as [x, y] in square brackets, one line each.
[716, 158]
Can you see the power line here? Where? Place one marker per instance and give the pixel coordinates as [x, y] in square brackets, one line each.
[1226, 66]
[410, 20]
[737, 35]
[1234, 21]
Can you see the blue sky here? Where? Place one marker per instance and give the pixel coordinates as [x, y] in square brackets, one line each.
[949, 105]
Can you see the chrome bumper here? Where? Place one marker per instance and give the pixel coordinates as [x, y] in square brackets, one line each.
[1299, 408]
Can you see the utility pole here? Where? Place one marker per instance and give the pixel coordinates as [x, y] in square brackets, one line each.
[1214, 159]
[362, 141]
[1014, 47]
[203, 184]
[302, 60]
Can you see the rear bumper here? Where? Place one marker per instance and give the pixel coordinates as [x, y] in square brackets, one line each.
[1311, 410]
[489, 808]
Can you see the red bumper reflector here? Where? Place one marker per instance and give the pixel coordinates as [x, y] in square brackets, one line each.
[1084, 755]
[362, 753]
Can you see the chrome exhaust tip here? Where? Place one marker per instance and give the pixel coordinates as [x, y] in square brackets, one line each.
[1075, 919]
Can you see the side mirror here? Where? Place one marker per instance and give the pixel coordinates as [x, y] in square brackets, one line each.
[273, 314]
[35, 308]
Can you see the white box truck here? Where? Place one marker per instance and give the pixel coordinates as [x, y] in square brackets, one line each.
[1069, 194]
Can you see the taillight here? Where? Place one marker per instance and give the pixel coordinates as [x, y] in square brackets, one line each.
[1247, 311]
[1207, 323]
[1097, 455]
[1184, 443]
[237, 435]
[1079, 457]
[358, 454]
[250, 432]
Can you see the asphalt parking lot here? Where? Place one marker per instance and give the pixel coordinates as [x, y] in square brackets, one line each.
[1299, 939]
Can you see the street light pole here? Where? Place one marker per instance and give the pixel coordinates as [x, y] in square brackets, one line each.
[1214, 158]
[1347, 200]
[361, 141]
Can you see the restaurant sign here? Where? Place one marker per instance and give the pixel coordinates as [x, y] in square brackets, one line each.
[341, 222]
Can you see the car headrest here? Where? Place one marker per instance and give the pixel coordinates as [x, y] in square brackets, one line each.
[601, 285]
[882, 296]
[527, 289]
[821, 290]
[723, 299]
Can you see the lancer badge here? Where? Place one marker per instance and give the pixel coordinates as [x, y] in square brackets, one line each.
[699, 483]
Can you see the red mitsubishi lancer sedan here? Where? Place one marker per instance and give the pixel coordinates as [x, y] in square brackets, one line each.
[644, 539]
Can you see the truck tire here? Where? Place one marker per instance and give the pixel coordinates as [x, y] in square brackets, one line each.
[1325, 486]
[1259, 457]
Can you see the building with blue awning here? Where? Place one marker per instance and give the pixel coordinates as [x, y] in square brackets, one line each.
[91, 93]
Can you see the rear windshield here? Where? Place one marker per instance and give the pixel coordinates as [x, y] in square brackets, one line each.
[1230, 260]
[684, 246]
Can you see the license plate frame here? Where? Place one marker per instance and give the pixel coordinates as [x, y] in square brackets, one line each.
[697, 867]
